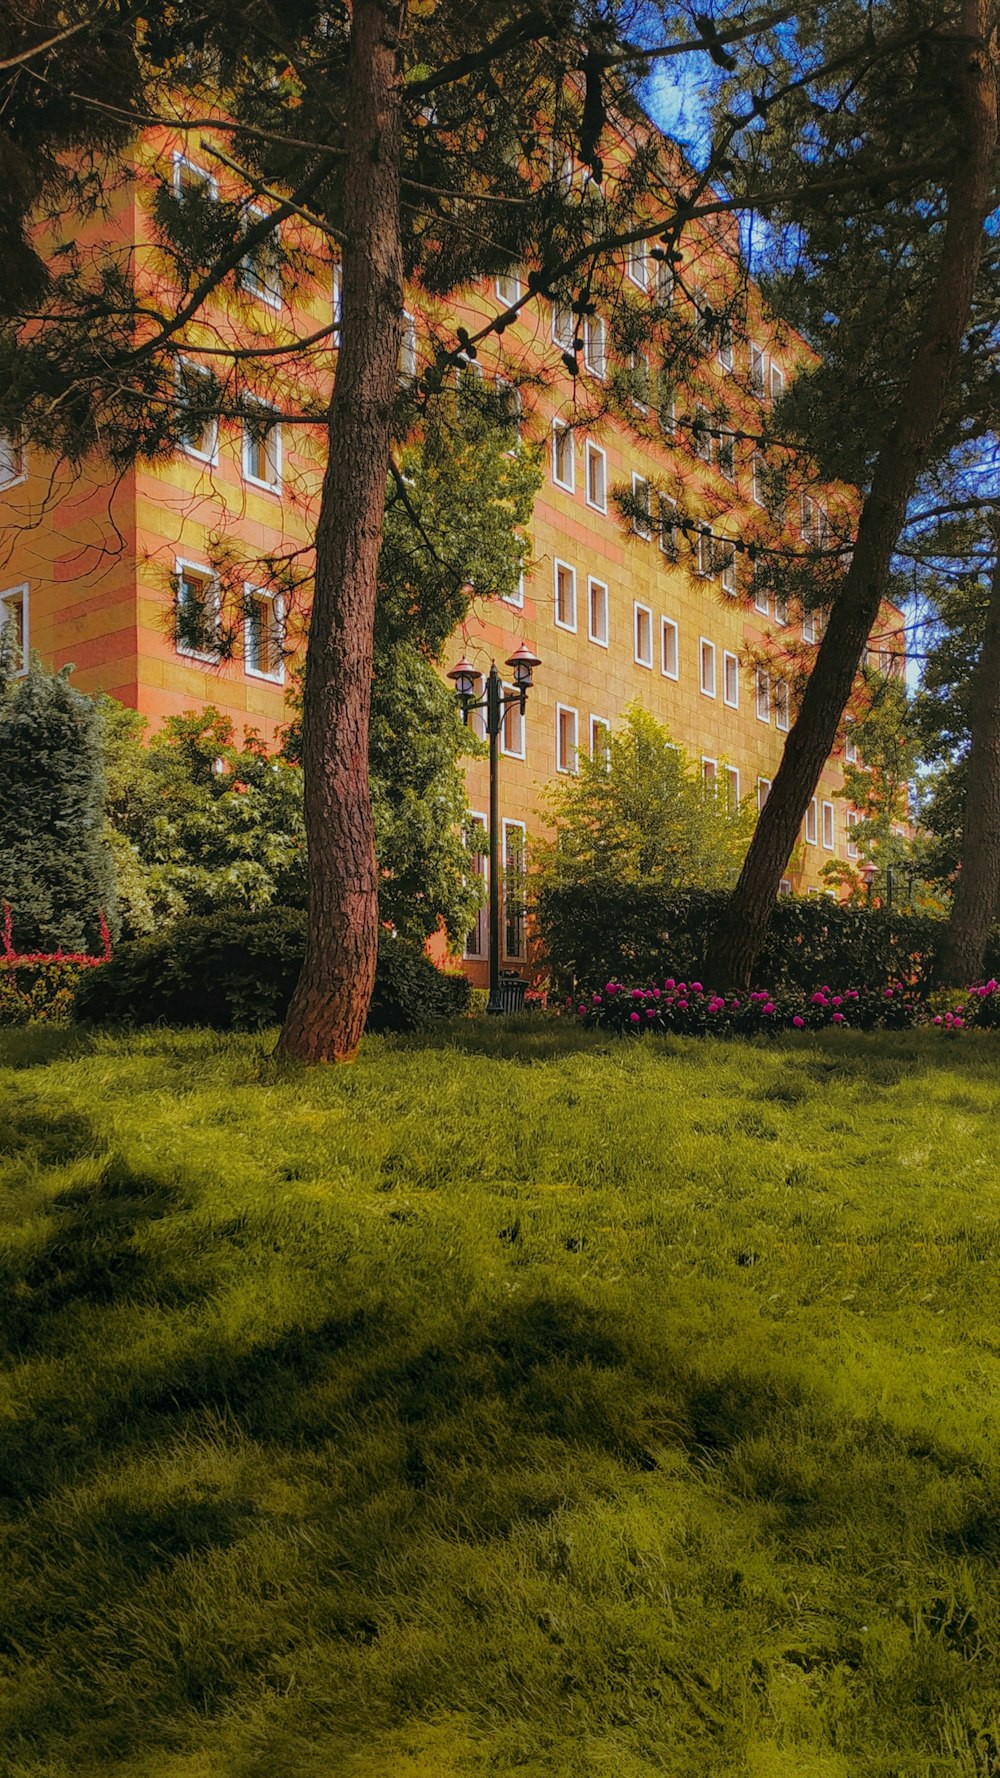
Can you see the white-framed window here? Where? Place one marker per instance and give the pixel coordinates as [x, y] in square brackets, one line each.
[851, 757]
[757, 369]
[600, 740]
[852, 821]
[408, 349]
[642, 619]
[732, 777]
[190, 180]
[727, 456]
[198, 423]
[563, 167]
[14, 627]
[597, 477]
[727, 566]
[758, 482]
[669, 649]
[763, 792]
[595, 354]
[563, 456]
[726, 343]
[762, 601]
[565, 595]
[262, 447]
[597, 612]
[260, 268]
[710, 775]
[812, 823]
[563, 326]
[706, 658]
[706, 554]
[508, 288]
[13, 459]
[777, 381]
[809, 626]
[782, 705]
[666, 282]
[197, 609]
[337, 298]
[567, 739]
[781, 610]
[264, 634]
[807, 519]
[701, 434]
[668, 413]
[642, 521]
[641, 376]
[784, 888]
[703, 318]
[515, 841]
[477, 723]
[730, 680]
[517, 596]
[512, 727]
[668, 526]
[477, 940]
[637, 263]
[762, 695]
[829, 831]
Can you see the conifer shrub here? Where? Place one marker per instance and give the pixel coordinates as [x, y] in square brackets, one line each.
[236, 971]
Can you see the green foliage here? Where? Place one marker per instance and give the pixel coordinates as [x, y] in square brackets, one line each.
[56, 870]
[594, 933]
[877, 786]
[236, 971]
[38, 991]
[389, 1421]
[944, 710]
[642, 815]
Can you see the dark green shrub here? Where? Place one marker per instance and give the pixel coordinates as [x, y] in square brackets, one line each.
[236, 971]
[596, 933]
[42, 990]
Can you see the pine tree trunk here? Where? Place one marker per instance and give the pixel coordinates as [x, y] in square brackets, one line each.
[978, 887]
[741, 931]
[328, 1008]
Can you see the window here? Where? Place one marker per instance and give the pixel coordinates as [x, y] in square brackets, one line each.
[14, 627]
[700, 434]
[262, 447]
[594, 346]
[337, 300]
[707, 667]
[777, 382]
[726, 343]
[637, 263]
[727, 457]
[807, 523]
[198, 425]
[600, 740]
[12, 459]
[191, 181]
[710, 775]
[263, 634]
[668, 411]
[508, 289]
[763, 695]
[260, 269]
[563, 326]
[781, 610]
[763, 792]
[565, 590]
[784, 888]
[781, 705]
[812, 823]
[517, 596]
[597, 490]
[642, 521]
[666, 282]
[668, 526]
[704, 319]
[809, 626]
[196, 612]
[706, 554]
[597, 612]
[640, 380]
[730, 680]
[850, 743]
[563, 167]
[563, 457]
[408, 350]
[828, 827]
[478, 938]
[732, 775]
[514, 847]
[643, 635]
[758, 481]
[567, 756]
[727, 566]
[669, 651]
[512, 728]
[756, 369]
[852, 821]
[761, 602]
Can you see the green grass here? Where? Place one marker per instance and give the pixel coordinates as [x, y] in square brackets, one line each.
[511, 1403]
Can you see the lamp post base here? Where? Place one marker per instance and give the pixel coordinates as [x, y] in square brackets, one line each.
[494, 1005]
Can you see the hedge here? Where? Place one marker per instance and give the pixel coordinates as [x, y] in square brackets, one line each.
[597, 933]
[236, 971]
[42, 989]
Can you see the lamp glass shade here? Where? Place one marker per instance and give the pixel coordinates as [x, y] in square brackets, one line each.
[466, 678]
[523, 663]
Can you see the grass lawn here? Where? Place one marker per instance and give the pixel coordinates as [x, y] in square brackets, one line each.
[512, 1403]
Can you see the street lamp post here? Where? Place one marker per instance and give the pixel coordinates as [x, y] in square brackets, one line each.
[495, 702]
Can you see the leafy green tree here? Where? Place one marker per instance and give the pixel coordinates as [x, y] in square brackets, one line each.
[641, 813]
[56, 869]
[877, 785]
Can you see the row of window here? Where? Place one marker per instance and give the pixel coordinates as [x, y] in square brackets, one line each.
[198, 623]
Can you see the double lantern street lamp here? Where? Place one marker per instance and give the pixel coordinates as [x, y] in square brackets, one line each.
[495, 702]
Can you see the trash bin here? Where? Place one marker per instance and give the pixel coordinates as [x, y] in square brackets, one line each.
[512, 989]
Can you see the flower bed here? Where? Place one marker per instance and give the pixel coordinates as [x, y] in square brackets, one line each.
[692, 1009]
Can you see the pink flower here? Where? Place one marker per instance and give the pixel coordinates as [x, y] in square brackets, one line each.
[611, 987]
[886, 993]
[683, 1005]
[819, 999]
[769, 1007]
[936, 1021]
[734, 1004]
[696, 988]
[670, 983]
[656, 993]
[637, 994]
[958, 1021]
[837, 1000]
[633, 1018]
[798, 1023]
[838, 1018]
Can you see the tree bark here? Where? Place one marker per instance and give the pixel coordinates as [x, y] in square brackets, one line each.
[740, 934]
[978, 888]
[327, 1013]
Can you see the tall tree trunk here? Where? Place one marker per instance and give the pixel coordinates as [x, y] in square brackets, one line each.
[978, 887]
[741, 931]
[328, 1008]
